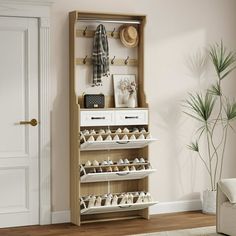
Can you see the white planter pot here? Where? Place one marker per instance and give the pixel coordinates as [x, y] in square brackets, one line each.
[209, 202]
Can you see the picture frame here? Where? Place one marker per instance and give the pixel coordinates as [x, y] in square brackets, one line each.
[125, 90]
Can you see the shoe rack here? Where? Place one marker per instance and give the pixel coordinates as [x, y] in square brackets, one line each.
[109, 158]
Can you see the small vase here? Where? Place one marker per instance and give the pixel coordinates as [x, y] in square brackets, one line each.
[131, 103]
[209, 202]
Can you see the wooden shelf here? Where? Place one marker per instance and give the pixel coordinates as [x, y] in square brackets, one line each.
[113, 144]
[117, 208]
[116, 176]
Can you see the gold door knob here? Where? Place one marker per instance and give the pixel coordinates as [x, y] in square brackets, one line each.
[33, 122]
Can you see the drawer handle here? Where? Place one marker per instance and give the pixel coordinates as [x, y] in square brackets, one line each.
[98, 118]
[131, 117]
[122, 174]
[125, 206]
[125, 142]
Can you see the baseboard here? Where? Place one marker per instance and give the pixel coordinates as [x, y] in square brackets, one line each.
[162, 207]
[59, 217]
[177, 206]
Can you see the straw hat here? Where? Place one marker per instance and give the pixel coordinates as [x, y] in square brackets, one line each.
[129, 36]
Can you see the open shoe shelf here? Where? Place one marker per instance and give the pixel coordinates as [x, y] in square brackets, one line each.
[117, 208]
[85, 210]
[113, 144]
[116, 176]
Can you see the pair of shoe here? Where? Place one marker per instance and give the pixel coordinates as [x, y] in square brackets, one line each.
[132, 168]
[126, 198]
[121, 161]
[140, 160]
[143, 198]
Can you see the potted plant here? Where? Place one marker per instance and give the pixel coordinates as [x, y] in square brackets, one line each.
[214, 113]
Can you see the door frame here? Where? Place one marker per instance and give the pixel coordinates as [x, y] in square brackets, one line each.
[39, 9]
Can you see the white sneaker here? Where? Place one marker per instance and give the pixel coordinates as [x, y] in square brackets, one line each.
[88, 163]
[136, 160]
[95, 163]
[101, 131]
[141, 136]
[130, 199]
[141, 197]
[108, 138]
[125, 137]
[118, 131]
[108, 131]
[124, 199]
[98, 201]
[132, 137]
[99, 138]
[85, 132]
[92, 132]
[104, 163]
[132, 168]
[116, 137]
[91, 138]
[120, 162]
[108, 200]
[114, 200]
[141, 160]
[126, 161]
[125, 130]
[110, 162]
[91, 202]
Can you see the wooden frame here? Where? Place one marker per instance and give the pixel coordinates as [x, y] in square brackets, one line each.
[77, 157]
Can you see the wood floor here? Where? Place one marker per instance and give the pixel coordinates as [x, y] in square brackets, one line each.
[163, 222]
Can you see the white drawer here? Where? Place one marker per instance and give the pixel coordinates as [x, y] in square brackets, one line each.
[97, 118]
[131, 117]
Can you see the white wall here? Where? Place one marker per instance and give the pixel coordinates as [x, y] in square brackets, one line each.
[175, 29]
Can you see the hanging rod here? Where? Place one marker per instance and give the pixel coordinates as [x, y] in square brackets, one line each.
[118, 21]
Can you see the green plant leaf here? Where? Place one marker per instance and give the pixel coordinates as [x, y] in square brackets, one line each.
[193, 146]
[222, 59]
[200, 106]
[215, 89]
[230, 110]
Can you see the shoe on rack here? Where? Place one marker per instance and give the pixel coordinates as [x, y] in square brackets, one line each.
[82, 204]
[120, 162]
[141, 160]
[148, 197]
[126, 161]
[88, 163]
[142, 130]
[124, 199]
[98, 201]
[135, 130]
[99, 170]
[91, 201]
[109, 169]
[110, 162]
[115, 169]
[126, 168]
[130, 198]
[114, 200]
[92, 132]
[141, 136]
[91, 138]
[132, 168]
[99, 138]
[95, 163]
[141, 197]
[108, 131]
[136, 160]
[116, 137]
[101, 131]
[125, 137]
[104, 163]
[125, 131]
[118, 131]
[132, 137]
[85, 132]
[108, 138]
[108, 200]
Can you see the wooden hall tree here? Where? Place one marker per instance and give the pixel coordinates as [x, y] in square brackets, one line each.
[116, 179]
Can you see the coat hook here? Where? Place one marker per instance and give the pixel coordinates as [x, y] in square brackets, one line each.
[85, 60]
[113, 60]
[126, 60]
[112, 33]
[84, 33]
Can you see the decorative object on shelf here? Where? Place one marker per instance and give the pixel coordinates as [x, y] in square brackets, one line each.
[100, 56]
[94, 100]
[125, 91]
[215, 114]
[129, 36]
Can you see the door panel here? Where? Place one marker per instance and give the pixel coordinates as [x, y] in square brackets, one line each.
[19, 169]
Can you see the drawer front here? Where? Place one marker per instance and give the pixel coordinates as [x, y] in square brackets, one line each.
[97, 118]
[131, 117]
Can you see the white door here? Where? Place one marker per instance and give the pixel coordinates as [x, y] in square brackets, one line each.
[19, 158]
